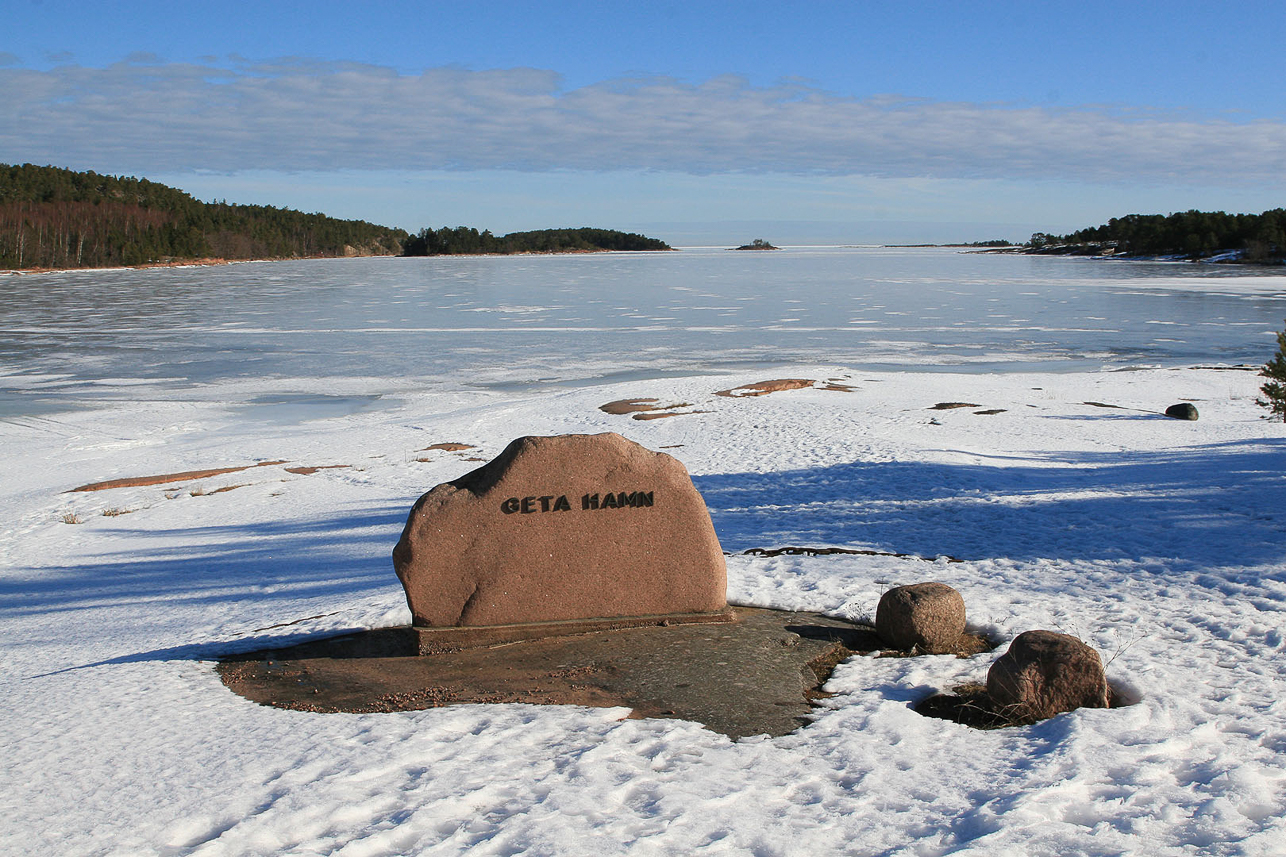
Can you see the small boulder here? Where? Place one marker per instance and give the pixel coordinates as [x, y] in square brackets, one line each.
[925, 616]
[1182, 411]
[1046, 673]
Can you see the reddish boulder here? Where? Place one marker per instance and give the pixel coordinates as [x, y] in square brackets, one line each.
[1045, 673]
[929, 617]
[562, 528]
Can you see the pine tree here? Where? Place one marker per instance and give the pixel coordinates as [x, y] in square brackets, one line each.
[1275, 390]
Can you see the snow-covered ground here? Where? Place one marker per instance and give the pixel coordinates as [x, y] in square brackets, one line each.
[1160, 542]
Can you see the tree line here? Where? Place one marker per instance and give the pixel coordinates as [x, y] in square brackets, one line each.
[449, 241]
[1257, 238]
[57, 218]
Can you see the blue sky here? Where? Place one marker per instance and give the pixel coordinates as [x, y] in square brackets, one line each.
[698, 122]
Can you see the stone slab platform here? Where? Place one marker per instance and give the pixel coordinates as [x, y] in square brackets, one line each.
[752, 676]
[431, 641]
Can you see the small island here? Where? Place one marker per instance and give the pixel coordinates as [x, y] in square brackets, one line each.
[757, 244]
[465, 240]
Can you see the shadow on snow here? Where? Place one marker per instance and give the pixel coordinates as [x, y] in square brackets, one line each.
[293, 559]
[1217, 505]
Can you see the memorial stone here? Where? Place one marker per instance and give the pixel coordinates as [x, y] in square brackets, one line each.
[559, 529]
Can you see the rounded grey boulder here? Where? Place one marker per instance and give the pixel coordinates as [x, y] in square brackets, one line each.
[929, 617]
[1182, 411]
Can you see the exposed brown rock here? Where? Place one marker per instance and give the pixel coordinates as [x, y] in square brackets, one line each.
[831, 551]
[629, 406]
[165, 479]
[928, 617]
[763, 388]
[950, 406]
[1045, 673]
[753, 676]
[448, 447]
[646, 409]
[309, 471]
[562, 528]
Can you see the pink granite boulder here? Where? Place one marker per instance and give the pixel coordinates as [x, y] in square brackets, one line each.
[1046, 673]
[927, 617]
[559, 529]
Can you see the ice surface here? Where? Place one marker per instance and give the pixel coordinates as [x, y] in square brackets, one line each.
[1158, 541]
[454, 320]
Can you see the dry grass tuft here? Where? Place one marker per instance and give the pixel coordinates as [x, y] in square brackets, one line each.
[967, 704]
[71, 518]
[970, 705]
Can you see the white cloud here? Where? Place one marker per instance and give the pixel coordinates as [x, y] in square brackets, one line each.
[309, 115]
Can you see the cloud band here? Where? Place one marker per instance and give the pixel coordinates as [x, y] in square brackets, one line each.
[300, 115]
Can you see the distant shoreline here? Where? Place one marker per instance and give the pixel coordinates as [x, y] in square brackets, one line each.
[1223, 257]
[175, 263]
[970, 245]
[215, 262]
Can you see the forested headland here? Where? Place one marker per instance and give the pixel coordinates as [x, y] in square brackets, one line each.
[1247, 238]
[463, 240]
[57, 218]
